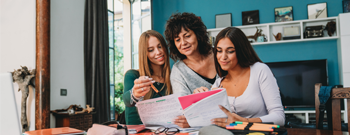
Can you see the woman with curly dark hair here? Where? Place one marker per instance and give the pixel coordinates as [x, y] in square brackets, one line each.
[189, 45]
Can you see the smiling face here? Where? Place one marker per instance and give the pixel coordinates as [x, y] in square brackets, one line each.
[186, 42]
[155, 51]
[226, 54]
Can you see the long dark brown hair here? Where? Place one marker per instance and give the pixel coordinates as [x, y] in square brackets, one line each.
[144, 63]
[245, 53]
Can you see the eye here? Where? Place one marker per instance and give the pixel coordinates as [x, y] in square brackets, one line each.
[218, 50]
[177, 40]
[188, 35]
[150, 50]
[231, 51]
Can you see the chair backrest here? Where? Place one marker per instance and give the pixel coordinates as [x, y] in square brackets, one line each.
[337, 94]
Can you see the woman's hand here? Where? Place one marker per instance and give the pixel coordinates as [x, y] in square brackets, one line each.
[200, 89]
[142, 86]
[181, 122]
[232, 117]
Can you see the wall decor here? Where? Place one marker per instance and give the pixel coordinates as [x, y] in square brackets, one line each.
[283, 14]
[223, 20]
[318, 10]
[250, 17]
[346, 6]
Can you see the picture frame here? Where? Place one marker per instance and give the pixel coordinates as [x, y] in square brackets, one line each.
[317, 10]
[223, 20]
[250, 17]
[346, 6]
[284, 14]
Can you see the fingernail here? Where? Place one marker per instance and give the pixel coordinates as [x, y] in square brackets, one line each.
[146, 77]
[153, 81]
[220, 106]
[150, 78]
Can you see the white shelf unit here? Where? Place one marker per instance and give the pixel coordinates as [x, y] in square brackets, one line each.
[273, 28]
[305, 114]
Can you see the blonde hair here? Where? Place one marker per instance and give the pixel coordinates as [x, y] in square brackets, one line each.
[144, 63]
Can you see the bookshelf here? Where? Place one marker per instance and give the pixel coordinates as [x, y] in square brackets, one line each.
[273, 28]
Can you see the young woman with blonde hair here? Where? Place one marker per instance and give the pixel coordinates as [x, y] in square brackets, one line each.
[154, 70]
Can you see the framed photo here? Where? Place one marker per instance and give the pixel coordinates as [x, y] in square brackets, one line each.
[318, 10]
[346, 6]
[283, 14]
[250, 17]
[223, 20]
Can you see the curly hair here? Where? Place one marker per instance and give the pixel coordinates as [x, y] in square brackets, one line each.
[187, 21]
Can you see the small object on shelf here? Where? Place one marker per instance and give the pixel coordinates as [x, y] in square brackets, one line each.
[256, 35]
[260, 39]
[278, 37]
[283, 14]
[313, 31]
[250, 17]
[330, 27]
[223, 20]
[88, 110]
[291, 32]
[346, 6]
[70, 110]
[318, 10]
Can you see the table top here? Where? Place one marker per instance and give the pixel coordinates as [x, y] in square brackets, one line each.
[304, 131]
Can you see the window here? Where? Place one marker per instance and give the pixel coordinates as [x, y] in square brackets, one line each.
[116, 57]
[141, 22]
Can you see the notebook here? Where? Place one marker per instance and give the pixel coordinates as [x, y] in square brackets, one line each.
[135, 128]
[188, 100]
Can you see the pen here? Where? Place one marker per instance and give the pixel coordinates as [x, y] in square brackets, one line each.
[156, 90]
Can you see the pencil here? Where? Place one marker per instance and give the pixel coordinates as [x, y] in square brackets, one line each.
[156, 90]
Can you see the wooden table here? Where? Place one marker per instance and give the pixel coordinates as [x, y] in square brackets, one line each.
[304, 131]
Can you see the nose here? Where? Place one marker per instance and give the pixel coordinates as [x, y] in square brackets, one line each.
[224, 56]
[183, 42]
[158, 51]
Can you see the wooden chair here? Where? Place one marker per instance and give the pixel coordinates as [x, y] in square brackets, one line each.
[337, 94]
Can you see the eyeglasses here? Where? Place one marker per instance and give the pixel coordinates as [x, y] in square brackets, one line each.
[167, 131]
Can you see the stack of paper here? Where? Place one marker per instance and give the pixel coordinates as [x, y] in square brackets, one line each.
[198, 108]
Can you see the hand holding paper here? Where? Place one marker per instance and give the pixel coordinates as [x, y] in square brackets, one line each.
[200, 108]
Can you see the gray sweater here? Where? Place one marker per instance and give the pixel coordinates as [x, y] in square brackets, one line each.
[184, 80]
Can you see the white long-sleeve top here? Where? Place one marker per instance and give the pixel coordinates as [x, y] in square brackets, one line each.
[261, 99]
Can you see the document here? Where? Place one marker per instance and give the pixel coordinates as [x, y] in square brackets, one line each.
[160, 111]
[201, 112]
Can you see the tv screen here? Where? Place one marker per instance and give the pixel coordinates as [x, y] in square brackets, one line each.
[297, 79]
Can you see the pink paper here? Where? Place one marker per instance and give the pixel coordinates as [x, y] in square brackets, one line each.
[188, 100]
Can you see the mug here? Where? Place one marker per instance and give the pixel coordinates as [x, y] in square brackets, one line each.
[260, 39]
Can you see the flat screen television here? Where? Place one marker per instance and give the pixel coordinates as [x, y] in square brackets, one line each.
[297, 79]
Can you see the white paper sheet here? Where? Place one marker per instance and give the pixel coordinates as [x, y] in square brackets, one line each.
[201, 112]
[160, 111]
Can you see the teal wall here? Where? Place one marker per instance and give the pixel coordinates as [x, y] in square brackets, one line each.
[207, 9]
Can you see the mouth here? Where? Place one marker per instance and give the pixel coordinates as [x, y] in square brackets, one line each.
[186, 48]
[224, 63]
[160, 58]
